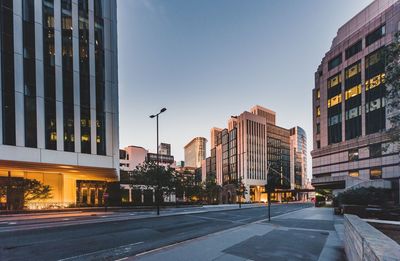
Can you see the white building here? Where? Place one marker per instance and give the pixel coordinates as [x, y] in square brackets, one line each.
[59, 98]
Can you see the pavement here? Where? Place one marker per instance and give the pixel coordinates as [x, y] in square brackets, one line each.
[307, 234]
[117, 237]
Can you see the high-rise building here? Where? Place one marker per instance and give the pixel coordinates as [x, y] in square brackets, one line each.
[244, 150]
[59, 96]
[195, 152]
[351, 147]
[164, 149]
[132, 156]
[298, 140]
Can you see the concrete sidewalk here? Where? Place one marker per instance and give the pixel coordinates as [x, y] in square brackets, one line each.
[307, 234]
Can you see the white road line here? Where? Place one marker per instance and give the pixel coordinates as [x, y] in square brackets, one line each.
[12, 223]
[110, 251]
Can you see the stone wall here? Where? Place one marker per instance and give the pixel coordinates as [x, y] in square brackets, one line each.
[364, 242]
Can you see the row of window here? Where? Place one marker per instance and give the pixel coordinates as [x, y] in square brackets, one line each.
[374, 173]
[357, 47]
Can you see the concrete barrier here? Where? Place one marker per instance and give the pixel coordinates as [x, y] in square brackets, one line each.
[364, 242]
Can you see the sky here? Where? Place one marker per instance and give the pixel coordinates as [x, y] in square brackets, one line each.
[210, 59]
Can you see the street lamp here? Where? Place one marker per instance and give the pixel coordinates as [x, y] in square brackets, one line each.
[158, 162]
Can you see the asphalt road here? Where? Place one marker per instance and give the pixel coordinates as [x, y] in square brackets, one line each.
[116, 239]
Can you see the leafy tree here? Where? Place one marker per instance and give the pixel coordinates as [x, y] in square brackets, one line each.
[22, 191]
[152, 176]
[392, 82]
[241, 190]
[211, 189]
[364, 196]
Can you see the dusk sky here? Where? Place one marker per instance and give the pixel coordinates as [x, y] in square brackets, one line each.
[207, 60]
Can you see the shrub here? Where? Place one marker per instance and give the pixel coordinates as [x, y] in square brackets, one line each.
[364, 196]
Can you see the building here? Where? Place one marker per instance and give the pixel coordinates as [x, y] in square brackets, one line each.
[132, 156]
[59, 97]
[164, 149]
[244, 150]
[351, 147]
[195, 152]
[298, 140]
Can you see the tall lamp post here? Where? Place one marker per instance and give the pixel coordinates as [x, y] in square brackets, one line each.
[158, 163]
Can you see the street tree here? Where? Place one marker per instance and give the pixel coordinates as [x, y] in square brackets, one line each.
[211, 189]
[241, 190]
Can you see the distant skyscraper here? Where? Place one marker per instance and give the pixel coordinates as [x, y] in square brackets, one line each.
[298, 140]
[195, 152]
[59, 96]
[351, 146]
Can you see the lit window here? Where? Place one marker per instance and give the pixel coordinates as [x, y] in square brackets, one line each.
[85, 137]
[353, 70]
[375, 173]
[354, 173]
[335, 100]
[53, 136]
[318, 94]
[318, 111]
[335, 80]
[375, 81]
[354, 91]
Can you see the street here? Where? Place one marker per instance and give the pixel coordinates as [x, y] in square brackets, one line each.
[119, 235]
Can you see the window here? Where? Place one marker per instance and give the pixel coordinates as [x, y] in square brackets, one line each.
[318, 128]
[375, 105]
[335, 80]
[318, 94]
[375, 150]
[335, 100]
[353, 154]
[373, 58]
[374, 81]
[318, 144]
[353, 112]
[375, 173]
[335, 62]
[375, 35]
[318, 111]
[352, 92]
[353, 70]
[354, 173]
[354, 49]
[335, 120]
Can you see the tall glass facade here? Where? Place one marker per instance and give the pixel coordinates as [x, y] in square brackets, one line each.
[84, 81]
[68, 75]
[49, 75]
[100, 77]
[353, 101]
[335, 109]
[7, 71]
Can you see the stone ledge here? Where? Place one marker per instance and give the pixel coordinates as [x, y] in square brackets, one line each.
[364, 242]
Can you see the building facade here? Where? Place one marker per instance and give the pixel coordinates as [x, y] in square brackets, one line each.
[351, 147]
[195, 152]
[132, 156]
[298, 140]
[164, 149]
[244, 150]
[59, 96]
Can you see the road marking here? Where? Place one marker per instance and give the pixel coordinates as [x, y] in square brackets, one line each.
[65, 219]
[12, 223]
[132, 214]
[103, 254]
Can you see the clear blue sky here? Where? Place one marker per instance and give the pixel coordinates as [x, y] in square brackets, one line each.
[210, 59]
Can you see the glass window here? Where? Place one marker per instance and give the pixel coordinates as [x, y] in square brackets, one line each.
[334, 80]
[335, 62]
[374, 81]
[375, 35]
[335, 100]
[353, 70]
[354, 49]
[318, 128]
[352, 92]
[353, 112]
[318, 94]
[354, 173]
[353, 154]
[318, 111]
[375, 173]
[318, 144]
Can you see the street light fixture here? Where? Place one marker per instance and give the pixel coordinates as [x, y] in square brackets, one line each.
[158, 162]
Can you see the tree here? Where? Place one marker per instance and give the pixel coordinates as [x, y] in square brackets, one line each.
[241, 190]
[151, 176]
[22, 191]
[392, 82]
[212, 189]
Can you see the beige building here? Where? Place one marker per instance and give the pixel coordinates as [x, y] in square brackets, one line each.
[195, 152]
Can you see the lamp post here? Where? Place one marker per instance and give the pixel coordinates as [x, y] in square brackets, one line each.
[158, 163]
